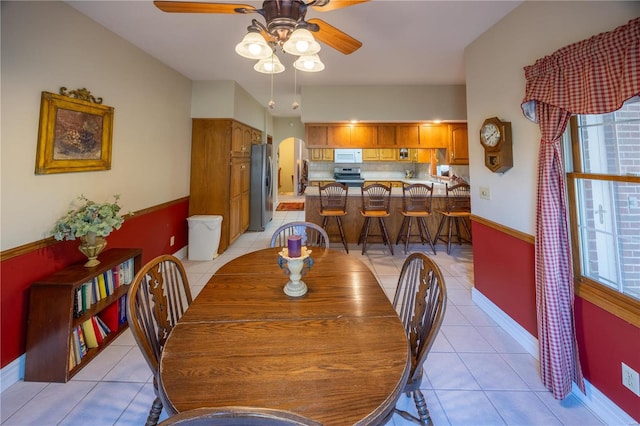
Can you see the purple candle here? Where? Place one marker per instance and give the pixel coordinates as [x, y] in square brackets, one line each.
[294, 245]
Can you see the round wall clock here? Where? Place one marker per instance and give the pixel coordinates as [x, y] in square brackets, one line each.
[495, 137]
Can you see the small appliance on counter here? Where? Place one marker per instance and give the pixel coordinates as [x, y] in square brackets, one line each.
[350, 176]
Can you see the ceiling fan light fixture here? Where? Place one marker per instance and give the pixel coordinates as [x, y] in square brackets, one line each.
[271, 65]
[301, 42]
[309, 63]
[254, 46]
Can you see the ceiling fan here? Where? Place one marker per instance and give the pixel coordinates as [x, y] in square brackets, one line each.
[282, 17]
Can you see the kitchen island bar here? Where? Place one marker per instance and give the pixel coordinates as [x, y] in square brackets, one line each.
[352, 222]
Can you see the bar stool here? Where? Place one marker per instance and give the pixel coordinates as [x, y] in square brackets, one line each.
[376, 199]
[458, 210]
[333, 203]
[416, 204]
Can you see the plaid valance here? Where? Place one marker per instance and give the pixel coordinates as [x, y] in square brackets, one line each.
[592, 76]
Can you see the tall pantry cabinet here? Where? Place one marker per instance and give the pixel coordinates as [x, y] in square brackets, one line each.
[221, 173]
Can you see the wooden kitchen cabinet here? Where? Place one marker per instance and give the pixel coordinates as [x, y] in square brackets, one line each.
[458, 144]
[380, 154]
[316, 135]
[363, 135]
[220, 174]
[240, 196]
[241, 137]
[408, 135]
[451, 137]
[434, 136]
[339, 136]
[387, 135]
[370, 154]
[321, 154]
[423, 155]
[388, 154]
[256, 137]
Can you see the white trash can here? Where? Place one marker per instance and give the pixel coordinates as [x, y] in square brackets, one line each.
[204, 236]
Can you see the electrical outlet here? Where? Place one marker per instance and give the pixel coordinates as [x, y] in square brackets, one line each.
[172, 241]
[630, 379]
[485, 193]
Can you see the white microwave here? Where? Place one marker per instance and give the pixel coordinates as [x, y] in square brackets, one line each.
[350, 156]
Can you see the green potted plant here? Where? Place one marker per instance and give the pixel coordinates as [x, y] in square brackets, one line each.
[90, 222]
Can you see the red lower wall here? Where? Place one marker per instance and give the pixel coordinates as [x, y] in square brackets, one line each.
[504, 273]
[604, 342]
[150, 230]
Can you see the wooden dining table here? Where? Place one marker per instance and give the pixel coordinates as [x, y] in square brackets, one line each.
[338, 354]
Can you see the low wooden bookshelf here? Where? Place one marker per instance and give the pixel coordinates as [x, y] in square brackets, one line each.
[54, 315]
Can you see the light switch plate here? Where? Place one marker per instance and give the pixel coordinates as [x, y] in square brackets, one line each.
[485, 193]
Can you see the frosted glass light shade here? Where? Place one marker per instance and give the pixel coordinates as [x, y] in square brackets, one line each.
[309, 63]
[301, 42]
[254, 46]
[270, 65]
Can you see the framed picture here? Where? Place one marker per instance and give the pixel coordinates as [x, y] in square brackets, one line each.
[74, 134]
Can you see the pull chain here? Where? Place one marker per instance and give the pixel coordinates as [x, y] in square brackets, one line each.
[272, 104]
[295, 104]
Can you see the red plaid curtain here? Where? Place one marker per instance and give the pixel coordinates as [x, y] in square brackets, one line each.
[593, 76]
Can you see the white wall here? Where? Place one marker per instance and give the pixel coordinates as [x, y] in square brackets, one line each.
[46, 45]
[227, 99]
[383, 103]
[496, 85]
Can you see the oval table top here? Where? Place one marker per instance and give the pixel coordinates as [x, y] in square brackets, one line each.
[338, 354]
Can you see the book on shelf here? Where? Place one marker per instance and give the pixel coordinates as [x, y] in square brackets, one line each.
[72, 357]
[116, 276]
[102, 286]
[81, 341]
[89, 334]
[108, 277]
[100, 334]
[122, 310]
[110, 316]
[75, 345]
[103, 327]
[78, 306]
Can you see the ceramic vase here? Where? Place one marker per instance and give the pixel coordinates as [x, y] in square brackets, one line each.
[91, 246]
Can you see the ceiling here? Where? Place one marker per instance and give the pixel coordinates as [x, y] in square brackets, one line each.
[414, 42]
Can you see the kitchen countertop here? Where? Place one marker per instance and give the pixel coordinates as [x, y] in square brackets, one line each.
[438, 188]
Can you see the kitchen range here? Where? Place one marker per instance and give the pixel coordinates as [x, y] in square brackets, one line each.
[350, 176]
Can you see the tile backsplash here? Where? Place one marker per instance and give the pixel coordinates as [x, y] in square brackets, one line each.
[382, 170]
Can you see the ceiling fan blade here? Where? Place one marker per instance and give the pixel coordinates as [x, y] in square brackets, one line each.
[196, 7]
[338, 4]
[331, 36]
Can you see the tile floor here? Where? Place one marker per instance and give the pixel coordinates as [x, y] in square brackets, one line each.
[476, 374]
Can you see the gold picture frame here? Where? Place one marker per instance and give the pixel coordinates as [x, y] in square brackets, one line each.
[74, 134]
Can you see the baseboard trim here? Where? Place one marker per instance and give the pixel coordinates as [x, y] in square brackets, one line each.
[594, 400]
[515, 330]
[602, 406]
[182, 253]
[12, 373]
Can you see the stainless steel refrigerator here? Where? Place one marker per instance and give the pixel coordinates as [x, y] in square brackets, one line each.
[261, 203]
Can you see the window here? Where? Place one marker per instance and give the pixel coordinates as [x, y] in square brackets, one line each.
[604, 207]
